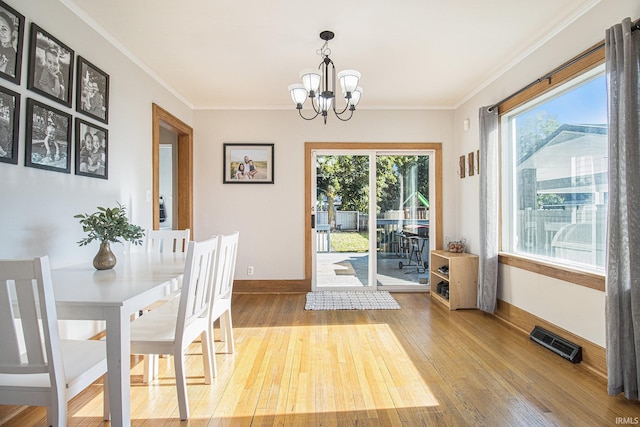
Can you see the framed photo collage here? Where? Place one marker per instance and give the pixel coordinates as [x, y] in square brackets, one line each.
[49, 126]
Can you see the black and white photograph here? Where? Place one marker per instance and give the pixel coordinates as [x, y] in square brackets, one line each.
[48, 138]
[92, 93]
[9, 125]
[92, 149]
[11, 38]
[248, 163]
[50, 66]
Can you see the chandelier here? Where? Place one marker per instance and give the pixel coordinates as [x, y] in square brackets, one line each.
[320, 86]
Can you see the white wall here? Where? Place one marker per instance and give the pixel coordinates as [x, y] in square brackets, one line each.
[37, 205]
[575, 308]
[271, 217]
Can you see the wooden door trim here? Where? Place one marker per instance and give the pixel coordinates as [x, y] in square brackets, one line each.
[436, 147]
[184, 167]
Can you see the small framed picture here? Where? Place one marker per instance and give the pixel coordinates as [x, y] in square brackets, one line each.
[472, 164]
[50, 66]
[11, 38]
[9, 125]
[92, 91]
[92, 150]
[462, 164]
[48, 138]
[248, 163]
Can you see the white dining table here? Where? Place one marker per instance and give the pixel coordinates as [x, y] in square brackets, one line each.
[84, 293]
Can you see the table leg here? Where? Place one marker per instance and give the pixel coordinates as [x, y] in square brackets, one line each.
[119, 365]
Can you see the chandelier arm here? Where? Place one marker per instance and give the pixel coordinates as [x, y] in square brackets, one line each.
[348, 118]
[310, 118]
[343, 110]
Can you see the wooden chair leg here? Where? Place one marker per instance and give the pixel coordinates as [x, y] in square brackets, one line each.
[57, 414]
[181, 386]
[208, 356]
[106, 407]
[150, 369]
[226, 328]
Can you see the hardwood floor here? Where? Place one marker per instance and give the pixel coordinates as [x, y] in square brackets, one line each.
[420, 365]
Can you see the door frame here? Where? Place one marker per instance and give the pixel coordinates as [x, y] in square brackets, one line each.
[436, 147]
[184, 167]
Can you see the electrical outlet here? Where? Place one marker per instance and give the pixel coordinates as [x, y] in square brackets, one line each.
[250, 270]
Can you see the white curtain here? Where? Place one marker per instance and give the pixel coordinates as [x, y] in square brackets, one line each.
[488, 270]
[622, 46]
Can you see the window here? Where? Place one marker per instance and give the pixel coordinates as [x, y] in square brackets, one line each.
[555, 175]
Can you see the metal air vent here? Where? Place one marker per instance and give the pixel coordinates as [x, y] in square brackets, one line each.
[558, 345]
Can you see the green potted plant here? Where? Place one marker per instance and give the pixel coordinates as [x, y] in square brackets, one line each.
[108, 225]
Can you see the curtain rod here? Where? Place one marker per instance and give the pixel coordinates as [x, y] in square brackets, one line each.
[634, 26]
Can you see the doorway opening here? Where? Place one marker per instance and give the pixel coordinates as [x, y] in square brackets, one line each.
[172, 132]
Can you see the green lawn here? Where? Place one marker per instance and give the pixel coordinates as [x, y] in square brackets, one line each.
[349, 241]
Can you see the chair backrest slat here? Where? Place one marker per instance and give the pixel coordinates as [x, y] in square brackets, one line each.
[167, 240]
[225, 270]
[10, 348]
[198, 282]
[29, 317]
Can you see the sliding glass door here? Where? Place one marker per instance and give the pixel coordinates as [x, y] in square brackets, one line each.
[370, 220]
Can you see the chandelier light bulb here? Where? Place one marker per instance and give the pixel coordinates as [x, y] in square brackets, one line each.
[355, 96]
[311, 79]
[324, 103]
[298, 93]
[348, 80]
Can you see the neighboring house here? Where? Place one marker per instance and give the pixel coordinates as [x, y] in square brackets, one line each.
[566, 228]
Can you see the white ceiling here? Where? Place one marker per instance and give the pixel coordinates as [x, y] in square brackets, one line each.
[244, 54]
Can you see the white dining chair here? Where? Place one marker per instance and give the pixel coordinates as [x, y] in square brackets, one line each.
[37, 368]
[159, 241]
[172, 331]
[221, 301]
[166, 241]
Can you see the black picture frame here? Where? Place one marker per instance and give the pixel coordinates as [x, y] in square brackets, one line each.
[260, 155]
[43, 124]
[91, 161]
[44, 48]
[9, 125]
[92, 91]
[11, 51]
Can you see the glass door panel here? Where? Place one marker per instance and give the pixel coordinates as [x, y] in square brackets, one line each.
[402, 221]
[342, 244]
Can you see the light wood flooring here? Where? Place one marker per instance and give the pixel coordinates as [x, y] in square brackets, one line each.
[420, 365]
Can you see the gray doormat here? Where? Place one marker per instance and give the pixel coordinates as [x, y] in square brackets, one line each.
[350, 300]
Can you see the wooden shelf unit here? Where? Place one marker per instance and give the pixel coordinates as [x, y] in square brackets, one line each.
[462, 278]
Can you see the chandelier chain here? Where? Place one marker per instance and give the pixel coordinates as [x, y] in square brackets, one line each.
[324, 50]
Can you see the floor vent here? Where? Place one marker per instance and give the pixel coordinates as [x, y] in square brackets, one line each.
[558, 345]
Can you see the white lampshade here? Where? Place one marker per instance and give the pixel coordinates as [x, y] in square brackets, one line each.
[310, 79]
[348, 80]
[298, 93]
[324, 103]
[355, 96]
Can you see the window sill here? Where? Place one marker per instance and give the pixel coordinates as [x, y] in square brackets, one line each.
[582, 278]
